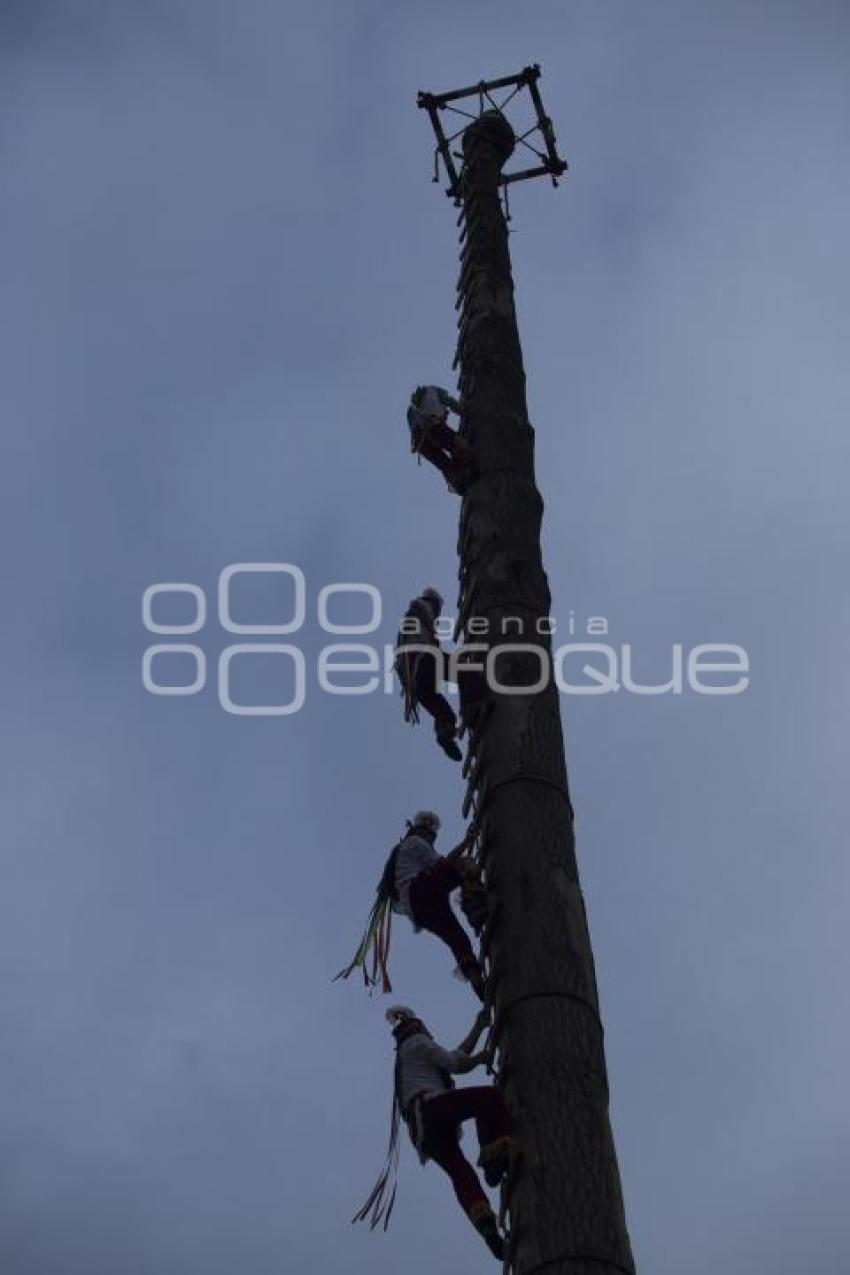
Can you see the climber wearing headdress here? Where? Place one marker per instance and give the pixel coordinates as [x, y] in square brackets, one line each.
[422, 666]
[425, 1097]
[417, 882]
[431, 435]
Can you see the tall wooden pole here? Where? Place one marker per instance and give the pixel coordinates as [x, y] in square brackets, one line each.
[564, 1198]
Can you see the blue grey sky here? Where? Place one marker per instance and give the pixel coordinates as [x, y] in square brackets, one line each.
[224, 267]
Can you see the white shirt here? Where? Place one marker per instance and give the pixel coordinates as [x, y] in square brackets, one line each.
[427, 402]
[415, 855]
[422, 1065]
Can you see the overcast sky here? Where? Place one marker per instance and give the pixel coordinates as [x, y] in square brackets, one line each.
[224, 267]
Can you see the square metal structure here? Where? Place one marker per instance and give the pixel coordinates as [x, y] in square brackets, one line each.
[549, 162]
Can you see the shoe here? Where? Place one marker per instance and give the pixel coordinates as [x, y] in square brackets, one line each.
[449, 747]
[495, 1159]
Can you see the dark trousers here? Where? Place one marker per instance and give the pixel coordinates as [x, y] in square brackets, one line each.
[445, 449]
[432, 911]
[441, 1117]
[425, 689]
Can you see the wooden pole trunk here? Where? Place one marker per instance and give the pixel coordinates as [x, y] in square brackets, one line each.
[564, 1198]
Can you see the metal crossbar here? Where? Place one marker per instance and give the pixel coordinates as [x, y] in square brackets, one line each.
[550, 165]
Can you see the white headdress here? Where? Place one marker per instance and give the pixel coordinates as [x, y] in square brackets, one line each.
[432, 595]
[398, 1013]
[426, 819]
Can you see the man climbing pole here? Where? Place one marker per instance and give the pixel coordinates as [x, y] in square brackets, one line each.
[425, 1097]
[422, 666]
[416, 882]
[431, 435]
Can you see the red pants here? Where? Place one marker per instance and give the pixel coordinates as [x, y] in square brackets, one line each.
[441, 1119]
[425, 689]
[429, 903]
[445, 449]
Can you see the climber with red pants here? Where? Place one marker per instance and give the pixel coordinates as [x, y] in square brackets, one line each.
[421, 666]
[431, 435]
[417, 883]
[433, 1109]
